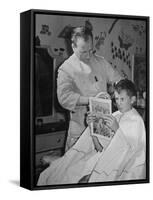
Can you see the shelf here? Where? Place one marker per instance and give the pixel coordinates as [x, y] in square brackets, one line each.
[49, 141]
[50, 127]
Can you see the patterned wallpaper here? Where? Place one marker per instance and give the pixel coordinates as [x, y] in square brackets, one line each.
[115, 39]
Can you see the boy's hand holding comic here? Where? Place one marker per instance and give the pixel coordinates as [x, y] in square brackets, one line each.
[111, 122]
[91, 117]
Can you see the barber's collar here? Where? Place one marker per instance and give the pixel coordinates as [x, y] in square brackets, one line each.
[81, 66]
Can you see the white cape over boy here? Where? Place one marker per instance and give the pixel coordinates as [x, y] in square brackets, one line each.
[123, 159]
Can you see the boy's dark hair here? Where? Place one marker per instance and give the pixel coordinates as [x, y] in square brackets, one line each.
[81, 32]
[126, 85]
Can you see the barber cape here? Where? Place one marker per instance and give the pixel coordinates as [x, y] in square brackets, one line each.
[123, 159]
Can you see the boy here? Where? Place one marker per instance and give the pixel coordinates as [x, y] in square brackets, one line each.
[129, 123]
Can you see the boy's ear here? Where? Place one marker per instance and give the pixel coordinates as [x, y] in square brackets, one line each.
[133, 99]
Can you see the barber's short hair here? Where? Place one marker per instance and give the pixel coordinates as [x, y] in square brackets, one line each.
[126, 85]
[81, 32]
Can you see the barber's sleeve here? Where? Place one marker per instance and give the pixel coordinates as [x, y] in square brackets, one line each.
[113, 75]
[67, 91]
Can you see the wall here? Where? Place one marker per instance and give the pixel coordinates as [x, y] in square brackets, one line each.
[116, 40]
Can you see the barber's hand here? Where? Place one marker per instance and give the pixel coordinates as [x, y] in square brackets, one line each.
[103, 95]
[111, 122]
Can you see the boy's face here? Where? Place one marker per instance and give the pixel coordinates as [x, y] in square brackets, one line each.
[123, 101]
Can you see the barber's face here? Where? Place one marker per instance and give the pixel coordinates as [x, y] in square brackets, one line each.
[83, 49]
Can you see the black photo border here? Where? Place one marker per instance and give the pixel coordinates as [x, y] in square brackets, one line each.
[27, 98]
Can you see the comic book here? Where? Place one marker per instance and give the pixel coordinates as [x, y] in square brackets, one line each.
[99, 128]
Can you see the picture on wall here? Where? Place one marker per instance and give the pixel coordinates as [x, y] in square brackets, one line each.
[70, 136]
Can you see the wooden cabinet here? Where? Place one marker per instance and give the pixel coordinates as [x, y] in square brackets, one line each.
[50, 137]
[50, 117]
[50, 141]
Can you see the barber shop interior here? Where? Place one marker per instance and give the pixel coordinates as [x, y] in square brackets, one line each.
[119, 42]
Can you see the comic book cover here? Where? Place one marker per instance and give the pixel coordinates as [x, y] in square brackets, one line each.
[100, 107]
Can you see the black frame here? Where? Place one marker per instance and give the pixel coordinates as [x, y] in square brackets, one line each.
[27, 97]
